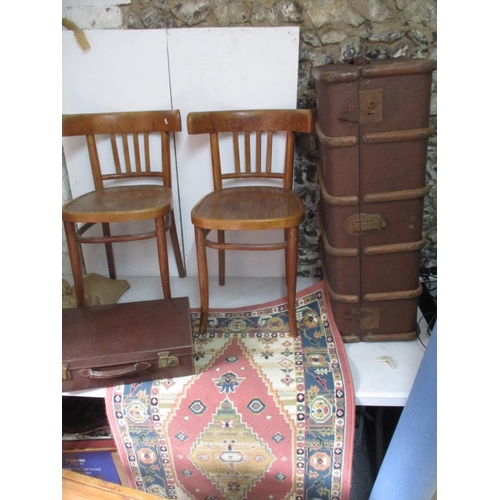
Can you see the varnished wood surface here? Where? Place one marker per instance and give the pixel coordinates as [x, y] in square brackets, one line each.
[139, 203]
[77, 486]
[249, 208]
[120, 123]
[209, 122]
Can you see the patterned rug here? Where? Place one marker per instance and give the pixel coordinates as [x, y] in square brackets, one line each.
[265, 416]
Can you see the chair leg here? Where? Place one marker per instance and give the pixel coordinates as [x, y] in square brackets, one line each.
[161, 241]
[221, 238]
[291, 253]
[75, 261]
[201, 255]
[109, 251]
[175, 245]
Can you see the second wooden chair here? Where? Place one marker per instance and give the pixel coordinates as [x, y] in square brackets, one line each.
[249, 207]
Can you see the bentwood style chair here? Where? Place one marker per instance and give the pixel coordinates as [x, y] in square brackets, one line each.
[250, 207]
[128, 137]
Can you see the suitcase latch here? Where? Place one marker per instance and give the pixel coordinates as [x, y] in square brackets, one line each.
[364, 223]
[370, 105]
[165, 359]
[66, 374]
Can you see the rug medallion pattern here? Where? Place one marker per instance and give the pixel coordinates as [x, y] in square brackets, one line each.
[265, 416]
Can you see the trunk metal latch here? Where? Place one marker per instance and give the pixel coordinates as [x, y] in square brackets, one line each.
[370, 108]
[368, 317]
[364, 223]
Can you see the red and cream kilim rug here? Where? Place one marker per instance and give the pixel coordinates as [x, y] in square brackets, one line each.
[265, 417]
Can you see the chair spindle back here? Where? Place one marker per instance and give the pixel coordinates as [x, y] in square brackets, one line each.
[127, 133]
[253, 137]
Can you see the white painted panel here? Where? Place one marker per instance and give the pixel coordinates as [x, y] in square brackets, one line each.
[125, 70]
[228, 68]
[213, 68]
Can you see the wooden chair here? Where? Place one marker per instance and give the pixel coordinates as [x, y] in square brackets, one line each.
[123, 203]
[249, 207]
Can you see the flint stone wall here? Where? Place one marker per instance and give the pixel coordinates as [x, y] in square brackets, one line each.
[331, 31]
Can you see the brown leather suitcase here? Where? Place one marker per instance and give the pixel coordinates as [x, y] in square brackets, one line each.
[373, 126]
[116, 344]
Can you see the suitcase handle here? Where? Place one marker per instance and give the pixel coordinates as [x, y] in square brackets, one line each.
[116, 372]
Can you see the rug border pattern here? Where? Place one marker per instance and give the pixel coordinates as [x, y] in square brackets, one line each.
[341, 453]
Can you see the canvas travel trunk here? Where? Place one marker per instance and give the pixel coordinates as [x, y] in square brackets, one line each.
[115, 344]
[373, 128]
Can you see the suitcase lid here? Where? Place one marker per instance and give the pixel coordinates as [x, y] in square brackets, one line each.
[344, 72]
[116, 334]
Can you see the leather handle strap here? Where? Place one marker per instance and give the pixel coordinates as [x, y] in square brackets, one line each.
[115, 372]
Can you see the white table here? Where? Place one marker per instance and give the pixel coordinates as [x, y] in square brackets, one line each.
[376, 383]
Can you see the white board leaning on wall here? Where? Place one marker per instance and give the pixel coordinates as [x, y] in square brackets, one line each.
[191, 69]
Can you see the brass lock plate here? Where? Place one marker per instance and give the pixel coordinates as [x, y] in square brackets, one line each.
[364, 223]
[370, 105]
[167, 360]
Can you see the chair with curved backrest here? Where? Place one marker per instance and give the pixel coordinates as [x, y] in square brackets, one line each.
[250, 207]
[125, 203]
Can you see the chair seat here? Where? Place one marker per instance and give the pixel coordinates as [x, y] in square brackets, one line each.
[249, 208]
[120, 203]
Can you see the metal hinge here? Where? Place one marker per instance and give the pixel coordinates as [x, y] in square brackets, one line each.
[165, 359]
[368, 317]
[351, 115]
[66, 374]
[364, 223]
